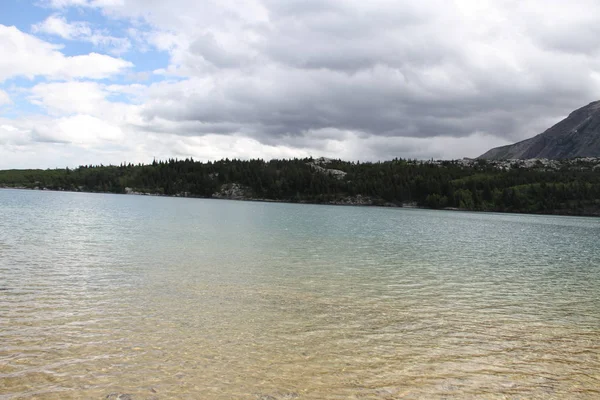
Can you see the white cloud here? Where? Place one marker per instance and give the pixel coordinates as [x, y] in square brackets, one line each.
[11, 135]
[216, 147]
[89, 98]
[24, 55]
[57, 25]
[67, 3]
[46, 142]
[82, 31]
[83, 130]
[67, 98]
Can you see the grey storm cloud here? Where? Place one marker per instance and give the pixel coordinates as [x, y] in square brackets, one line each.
[207, 47]
[364, 79]
[391, 69]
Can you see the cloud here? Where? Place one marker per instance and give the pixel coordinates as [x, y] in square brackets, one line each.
[82, 3]
[81, 31]
[68, 98]
[34, 143]
[81, 130]
[25, 55]
[57, 25]
[348, 78]
[567, 28]
[382, 68]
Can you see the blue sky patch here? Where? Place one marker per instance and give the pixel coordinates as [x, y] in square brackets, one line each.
[80, 31]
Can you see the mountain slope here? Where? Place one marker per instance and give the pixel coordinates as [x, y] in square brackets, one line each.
[578, 135]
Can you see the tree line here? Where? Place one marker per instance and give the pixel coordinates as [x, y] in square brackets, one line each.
[480, 186]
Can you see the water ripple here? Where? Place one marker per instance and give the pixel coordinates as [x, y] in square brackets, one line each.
[179, 298]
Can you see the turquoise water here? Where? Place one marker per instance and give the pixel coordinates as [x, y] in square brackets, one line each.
[185, 298]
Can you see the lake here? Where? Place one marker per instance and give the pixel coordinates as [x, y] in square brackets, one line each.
[167, 298]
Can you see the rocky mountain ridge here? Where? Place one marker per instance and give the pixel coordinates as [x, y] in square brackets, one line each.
[578, 135]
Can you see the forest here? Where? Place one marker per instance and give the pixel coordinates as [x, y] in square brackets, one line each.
[570, 188]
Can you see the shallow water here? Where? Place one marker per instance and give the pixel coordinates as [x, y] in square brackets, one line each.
[166, 298]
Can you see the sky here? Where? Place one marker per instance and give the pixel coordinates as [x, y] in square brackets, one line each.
[112, 81]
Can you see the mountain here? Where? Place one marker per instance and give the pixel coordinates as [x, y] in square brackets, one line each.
[578, 135]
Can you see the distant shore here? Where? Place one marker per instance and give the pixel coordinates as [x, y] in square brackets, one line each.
[550, 187]
[565, 213]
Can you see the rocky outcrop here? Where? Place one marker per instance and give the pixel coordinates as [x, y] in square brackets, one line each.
[544, 164]
[129, 190]
[578, 135]
[317, 165]
[233, 191]
[357, 200]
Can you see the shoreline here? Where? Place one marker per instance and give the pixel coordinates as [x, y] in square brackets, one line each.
[259, 200]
